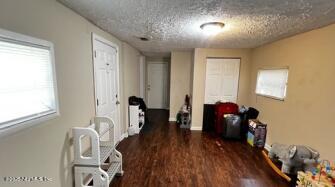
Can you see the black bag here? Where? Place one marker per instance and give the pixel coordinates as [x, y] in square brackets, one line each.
[232, 126]
[251, 113]
[133, 100]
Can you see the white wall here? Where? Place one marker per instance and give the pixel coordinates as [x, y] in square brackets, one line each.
[46, 150]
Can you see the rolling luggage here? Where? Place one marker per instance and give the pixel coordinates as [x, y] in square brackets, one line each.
[231, 126]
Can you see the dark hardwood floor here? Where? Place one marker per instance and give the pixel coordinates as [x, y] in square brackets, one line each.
[164, 155]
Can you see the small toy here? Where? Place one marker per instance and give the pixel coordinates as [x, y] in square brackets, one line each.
[323, 175]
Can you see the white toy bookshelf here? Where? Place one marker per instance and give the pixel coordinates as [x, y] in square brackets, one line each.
[101, 162]
[136, 120]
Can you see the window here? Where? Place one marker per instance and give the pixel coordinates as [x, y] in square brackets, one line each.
[272, 83]
[28, 91]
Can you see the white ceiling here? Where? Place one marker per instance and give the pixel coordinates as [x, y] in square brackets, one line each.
[175, 24]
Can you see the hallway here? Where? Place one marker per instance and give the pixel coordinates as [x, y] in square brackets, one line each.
[164, 155]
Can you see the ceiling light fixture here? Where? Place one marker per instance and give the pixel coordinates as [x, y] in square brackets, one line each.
[212, 28]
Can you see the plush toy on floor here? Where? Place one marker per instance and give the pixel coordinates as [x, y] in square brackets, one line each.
[294, 158]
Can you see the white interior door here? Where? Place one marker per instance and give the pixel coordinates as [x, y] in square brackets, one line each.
[106, 83]
[156, 87]
[222, 76]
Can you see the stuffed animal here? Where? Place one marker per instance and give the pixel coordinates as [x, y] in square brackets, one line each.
[294, 158]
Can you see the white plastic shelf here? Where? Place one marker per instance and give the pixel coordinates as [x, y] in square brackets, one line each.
[105, 152]
[112, 170]
[89, 164]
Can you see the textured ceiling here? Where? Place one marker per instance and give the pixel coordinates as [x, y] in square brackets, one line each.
[175, 24]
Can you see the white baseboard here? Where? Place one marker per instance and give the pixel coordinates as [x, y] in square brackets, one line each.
[196, 128]
[172, 119]
[267, 147]
[124, 135]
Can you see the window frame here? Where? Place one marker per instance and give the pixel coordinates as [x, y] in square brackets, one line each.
[286, 84]
[21, 123]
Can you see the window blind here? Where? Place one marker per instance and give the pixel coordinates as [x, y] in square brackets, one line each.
[26, 82]
[272, 83]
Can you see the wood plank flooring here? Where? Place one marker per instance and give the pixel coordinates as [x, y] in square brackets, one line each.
[164, 155]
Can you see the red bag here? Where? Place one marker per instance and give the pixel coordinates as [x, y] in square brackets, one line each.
[220, 110]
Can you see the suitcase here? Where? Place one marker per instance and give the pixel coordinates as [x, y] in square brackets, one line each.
[232, 126]
[220, 110]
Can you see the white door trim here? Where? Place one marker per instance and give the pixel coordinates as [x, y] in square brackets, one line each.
[96, 37]
[142, 76]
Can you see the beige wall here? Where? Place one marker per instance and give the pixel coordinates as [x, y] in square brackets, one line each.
[45, 150]
[199, 76]
[131, 75]
[180, 78]
[306, 115]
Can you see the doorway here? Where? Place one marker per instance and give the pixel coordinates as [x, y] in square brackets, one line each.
[157, 78]
[106, 81]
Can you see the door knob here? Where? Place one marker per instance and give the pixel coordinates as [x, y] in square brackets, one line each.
[117, 102]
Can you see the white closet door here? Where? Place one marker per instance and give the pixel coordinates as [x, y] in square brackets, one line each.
[222, 76]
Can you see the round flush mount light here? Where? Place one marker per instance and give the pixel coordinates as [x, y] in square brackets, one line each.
[212, 27]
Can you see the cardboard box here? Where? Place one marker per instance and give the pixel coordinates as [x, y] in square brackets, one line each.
[257, 133]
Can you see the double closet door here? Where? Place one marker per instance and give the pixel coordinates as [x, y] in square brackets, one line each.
[222, 79]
